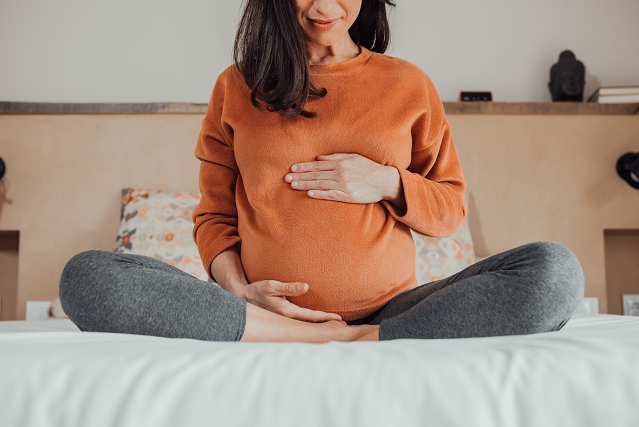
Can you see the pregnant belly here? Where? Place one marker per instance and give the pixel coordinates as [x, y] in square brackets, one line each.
[354, 257]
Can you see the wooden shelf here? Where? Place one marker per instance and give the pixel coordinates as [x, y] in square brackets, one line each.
[101, 108]
[577, 108]
[580, 108]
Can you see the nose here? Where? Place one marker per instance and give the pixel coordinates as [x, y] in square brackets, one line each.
[324, 8]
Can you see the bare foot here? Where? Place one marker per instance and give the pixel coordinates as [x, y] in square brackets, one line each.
[265, 326]
[373, 335]
[339, 331]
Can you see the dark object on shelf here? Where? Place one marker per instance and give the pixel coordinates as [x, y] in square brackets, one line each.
[567, 78]
[628, 169]
[476, 96]
[3, 168]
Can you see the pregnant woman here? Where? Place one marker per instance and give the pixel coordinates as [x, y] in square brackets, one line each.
[318, 155]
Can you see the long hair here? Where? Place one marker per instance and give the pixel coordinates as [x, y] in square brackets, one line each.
[275, 61]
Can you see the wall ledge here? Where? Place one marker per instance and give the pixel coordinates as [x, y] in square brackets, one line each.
[101, 108]
[523, 108]
[577, 108]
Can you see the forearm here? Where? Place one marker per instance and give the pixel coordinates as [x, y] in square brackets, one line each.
[395, 190]
[436, 208]
[228, 272]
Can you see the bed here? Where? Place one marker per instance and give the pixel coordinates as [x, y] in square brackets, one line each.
[586, 374]
[51, 374]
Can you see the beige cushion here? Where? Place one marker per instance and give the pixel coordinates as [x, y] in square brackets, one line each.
[158, 224]
[438, 258]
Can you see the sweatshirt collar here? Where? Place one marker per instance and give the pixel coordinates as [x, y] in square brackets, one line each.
[352, 64]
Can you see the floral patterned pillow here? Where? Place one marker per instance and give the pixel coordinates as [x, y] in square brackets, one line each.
[158, 224]
[438, 258]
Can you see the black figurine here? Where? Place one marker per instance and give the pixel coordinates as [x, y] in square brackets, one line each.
[567, 78]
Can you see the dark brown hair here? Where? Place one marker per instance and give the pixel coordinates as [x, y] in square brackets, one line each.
[275, 61]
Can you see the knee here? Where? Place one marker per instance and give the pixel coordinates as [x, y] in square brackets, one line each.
[558, 272]
[79, 266]
[76, 280]
[557, 261]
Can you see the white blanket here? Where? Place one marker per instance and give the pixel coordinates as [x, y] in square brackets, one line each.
[587, 374]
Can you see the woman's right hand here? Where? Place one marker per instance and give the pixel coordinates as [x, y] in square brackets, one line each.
[271, 295]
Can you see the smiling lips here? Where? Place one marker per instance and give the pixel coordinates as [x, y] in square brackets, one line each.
[324, 25]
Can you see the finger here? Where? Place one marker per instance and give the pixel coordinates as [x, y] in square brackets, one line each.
[292, 289]
[307, 315]
[314, 166]
[320, 184]
[310, 176]
[335, 195]
[333, 156]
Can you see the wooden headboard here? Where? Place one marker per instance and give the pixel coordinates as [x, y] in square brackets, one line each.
[534, 171]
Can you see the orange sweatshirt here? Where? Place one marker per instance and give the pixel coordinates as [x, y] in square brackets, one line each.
[354, 257]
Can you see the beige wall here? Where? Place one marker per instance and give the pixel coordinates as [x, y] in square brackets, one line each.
[530, 178]
[64, 176]
[622, 266]
[548, 178]
[9, 249]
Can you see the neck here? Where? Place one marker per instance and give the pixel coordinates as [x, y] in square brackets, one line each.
[343, 50]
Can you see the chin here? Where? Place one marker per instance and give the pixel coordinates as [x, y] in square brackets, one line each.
[324, 41]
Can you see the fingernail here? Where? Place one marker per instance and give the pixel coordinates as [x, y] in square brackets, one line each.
[294, 168]
[300, 286]
[294, 184]
[289, 177]
[310, 193]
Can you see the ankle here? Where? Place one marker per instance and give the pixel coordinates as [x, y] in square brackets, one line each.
[336, 331]
[371, 333]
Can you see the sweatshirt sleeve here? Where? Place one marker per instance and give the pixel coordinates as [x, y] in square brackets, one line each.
[215, 216]
[433, 184]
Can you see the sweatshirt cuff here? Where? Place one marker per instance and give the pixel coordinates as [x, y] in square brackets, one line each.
[408, 185]
[210, 248]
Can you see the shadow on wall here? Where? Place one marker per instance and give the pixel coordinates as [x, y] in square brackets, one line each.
[4, 190]
[592, 84]
[479, 242]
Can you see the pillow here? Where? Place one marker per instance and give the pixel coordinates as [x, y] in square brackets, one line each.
[158, 224]
[438, 258]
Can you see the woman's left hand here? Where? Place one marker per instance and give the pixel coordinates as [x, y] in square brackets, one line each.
[345, 177]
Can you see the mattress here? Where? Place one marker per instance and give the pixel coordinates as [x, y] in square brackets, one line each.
[587, 374]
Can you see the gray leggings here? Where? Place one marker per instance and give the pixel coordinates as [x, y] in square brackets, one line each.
[530, 289]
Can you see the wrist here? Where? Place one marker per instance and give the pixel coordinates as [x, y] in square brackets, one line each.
[394, 191]
[239, 288]
[391, 190]
[228, 272]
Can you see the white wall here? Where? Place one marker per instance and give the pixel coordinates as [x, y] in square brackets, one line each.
[508, 46]
[173, 50]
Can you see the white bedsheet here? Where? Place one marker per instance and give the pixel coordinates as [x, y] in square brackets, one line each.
[587, 374]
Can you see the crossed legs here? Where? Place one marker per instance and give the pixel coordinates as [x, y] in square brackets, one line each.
[530, 289]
